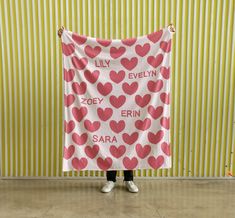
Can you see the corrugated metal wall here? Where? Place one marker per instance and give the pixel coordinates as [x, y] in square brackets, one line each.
[203, 80]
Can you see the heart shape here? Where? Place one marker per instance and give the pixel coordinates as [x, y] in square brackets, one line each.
[165, 72]
[104, 164]
[104, 89]
[166, 46]
[129, 41]
[155, 36]
[68, 100]
[130, 89]
[91, 152]
[117, 52]
[142, 50]
[166, 148]
[68, 49]
[130, 164]
[104, 42]
[79, 164]
[155, 138]
[69, 75]
[117, 151]
[104, 114]
[129, 64]
[156, 163]
[91, 76]
[155, 86]
[68, 152]
[92, 52]
[79, 113]
[155, 112]
[117, 102]
[91, 126]
[143, 125]
[117, 127]
[79, 39]
[117, 77]
[142, 101]
[79, 63]
[142, 151]
[165, 98]
[165, 122]
[69, 126]
[80, 139]
[130, 139]
[155, 61]
[79, 89]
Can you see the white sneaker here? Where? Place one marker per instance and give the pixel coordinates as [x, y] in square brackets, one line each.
[131, 186]
[109, 185]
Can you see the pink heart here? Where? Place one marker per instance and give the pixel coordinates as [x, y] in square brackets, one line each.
[166, 46]
[129, 41]
[68, 100]
[130, 139]
[117, 52]
[129, 64]
[79, 164]
[143, 125]
[104, 89]
[142, 101]
[165, 72]
[155, 61]
[117, 102]
[155, 163]
[117, 126]
[79, 89]
[104, 114]
[79, 113]
[92, 52]
[91, 152]
[80, 139]
[165, 98]
[142, 151]
[130, 89]
[91, 126]
[117, 77]
[155, 86]
[104, 164]
[68, 152]
[79, 39]
[104, 42]
[155, 36]
[79, 64]
[155, 138]
[69, 126]
[165, 122]
[92, 76]
[69, 75]
[155, 113]
[117, 151]
[142, 50]
[166, 148]
[130, 164]
[68, 49]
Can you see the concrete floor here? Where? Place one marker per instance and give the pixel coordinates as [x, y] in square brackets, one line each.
[83, 199]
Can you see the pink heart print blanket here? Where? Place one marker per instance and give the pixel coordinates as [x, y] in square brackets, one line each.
[116, 102]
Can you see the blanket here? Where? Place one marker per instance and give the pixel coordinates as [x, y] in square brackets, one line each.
[116, 102]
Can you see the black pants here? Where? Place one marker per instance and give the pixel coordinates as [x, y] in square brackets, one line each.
[111, 175]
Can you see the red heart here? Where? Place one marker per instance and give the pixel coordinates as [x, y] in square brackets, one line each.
[117, 151]
[117, 102]
[130, 139]
[155, 61]
[130, 89]
[91, 152]
[80, 139]
[166, 148]
[79, 113]
[165, 98]
[144, 151]
[143, 125]
[155, 163]
[68, 100]
[79, 63]
[155, 36]
[165, 72]
[155, 113]
[68, 49]
[155, 138]
[79, 89]
[104, 89]
[117, 77]
[142, 50]
[104, 42]
[129, 64]
[92, 52]
[69, 75]
[79, 164]
[79, 39]
[91, 126]
[117, 52]
[130, 164]
[155, 86]
[104, 164]
[117, 126]
[142, 101]
[129, 41]
[91, 76]
[166, 46]
[104, 114]
[69, 126]
[165, 122]
[68, 152]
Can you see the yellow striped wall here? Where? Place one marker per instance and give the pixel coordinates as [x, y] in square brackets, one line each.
[203, 80]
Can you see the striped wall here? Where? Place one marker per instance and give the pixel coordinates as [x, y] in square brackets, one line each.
[203, 80]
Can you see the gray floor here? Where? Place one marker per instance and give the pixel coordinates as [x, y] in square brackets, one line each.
[82, 198]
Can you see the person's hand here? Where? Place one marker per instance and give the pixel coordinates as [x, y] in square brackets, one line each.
[60, 31]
